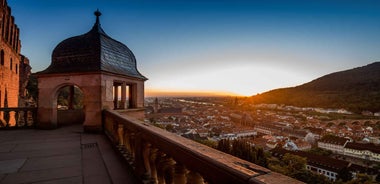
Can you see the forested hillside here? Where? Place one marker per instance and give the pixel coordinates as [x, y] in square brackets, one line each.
[356, 90]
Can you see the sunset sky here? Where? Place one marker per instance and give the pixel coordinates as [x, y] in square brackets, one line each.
[227, 47]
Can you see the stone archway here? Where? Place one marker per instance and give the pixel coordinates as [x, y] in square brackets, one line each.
[49, 87]
[70, 105]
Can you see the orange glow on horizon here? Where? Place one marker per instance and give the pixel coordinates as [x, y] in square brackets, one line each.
[182, 93]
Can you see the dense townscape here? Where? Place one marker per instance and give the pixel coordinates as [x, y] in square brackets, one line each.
[333, 141]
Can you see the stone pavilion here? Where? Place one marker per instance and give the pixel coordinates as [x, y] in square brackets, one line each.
[101, 68]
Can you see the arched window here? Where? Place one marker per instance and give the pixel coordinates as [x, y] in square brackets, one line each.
[16, 68]
[11, 64]
[2, 57]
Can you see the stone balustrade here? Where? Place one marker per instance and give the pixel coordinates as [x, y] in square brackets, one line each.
[158, 156]
[18, 117]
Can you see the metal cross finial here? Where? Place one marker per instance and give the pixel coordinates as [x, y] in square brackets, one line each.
[97, 13]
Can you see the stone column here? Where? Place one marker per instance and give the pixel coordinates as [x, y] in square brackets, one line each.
[133, 96]
[139, 88]
[116, 96]
[123, 95]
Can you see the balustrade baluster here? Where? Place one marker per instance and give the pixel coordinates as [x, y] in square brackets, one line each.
[194, 178]
[34, 117]
[138, 145]
[30, 120]
[120, 133]
[146, 158]
[132, 143]
[165, 169]
[160, 170]
[108, 124]
[6, 117]
[115, 131]
[127, 151]
[25, 117]
[152, 163]
[16, 118]
[180, 172]
[127, 141]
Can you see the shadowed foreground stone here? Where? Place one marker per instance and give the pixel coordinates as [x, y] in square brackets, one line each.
[64, 155]
[11, 166]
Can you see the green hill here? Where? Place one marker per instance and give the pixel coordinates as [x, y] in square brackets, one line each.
[356, 90]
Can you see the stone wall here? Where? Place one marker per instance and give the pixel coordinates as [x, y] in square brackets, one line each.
[48, 86]
[9, 57]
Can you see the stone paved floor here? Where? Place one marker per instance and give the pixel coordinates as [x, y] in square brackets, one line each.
[64, 155]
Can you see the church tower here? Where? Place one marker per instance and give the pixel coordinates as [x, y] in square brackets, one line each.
[156, 106]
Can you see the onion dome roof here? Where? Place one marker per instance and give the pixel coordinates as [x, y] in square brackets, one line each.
[93, 51]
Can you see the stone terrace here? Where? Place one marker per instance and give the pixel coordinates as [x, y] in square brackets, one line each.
[64, 155]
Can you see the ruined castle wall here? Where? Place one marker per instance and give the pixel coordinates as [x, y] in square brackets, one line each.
[9, 56]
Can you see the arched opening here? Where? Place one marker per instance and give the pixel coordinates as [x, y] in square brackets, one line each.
[70, 108]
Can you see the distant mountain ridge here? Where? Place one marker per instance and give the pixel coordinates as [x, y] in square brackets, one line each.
[356, 90]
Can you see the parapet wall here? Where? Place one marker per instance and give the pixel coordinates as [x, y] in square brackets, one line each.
[159, 156]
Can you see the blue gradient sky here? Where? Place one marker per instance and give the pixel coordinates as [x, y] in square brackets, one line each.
[241, 47]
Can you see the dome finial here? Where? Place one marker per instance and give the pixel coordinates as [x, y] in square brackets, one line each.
[97, 13]
[97, 26]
